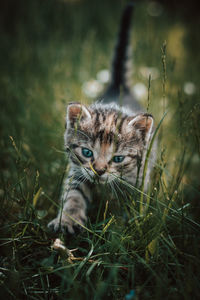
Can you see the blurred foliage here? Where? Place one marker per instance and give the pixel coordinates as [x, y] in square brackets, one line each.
[48, 49]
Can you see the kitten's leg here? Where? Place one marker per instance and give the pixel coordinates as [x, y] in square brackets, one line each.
[74, 203]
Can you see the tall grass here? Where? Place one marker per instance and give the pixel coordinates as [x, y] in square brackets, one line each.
[48, 50]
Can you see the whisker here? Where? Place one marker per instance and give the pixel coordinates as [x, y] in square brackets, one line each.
[113, 189]
[124, 182]
[117, 186]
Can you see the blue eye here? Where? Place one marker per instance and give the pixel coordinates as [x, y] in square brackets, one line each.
[86, 152]
[118, 158]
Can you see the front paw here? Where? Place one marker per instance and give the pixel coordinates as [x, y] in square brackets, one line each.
[54, 225]
[66, 224]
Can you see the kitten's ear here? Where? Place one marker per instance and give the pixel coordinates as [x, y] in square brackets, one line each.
[75, 113]
[144, 124]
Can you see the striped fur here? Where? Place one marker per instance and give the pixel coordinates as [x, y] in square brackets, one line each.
[115, 137]
[108, 131]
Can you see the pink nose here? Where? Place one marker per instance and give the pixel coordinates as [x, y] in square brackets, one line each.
[99, 169]
[100, 172]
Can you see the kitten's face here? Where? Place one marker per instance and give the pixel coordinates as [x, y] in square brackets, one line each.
[105, 143]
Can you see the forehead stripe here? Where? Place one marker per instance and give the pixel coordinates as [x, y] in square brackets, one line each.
[100, 135]
[119, 129]
[107, 138]
[96, 122]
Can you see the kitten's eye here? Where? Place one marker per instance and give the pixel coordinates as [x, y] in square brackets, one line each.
[118, 158]
[86, 152]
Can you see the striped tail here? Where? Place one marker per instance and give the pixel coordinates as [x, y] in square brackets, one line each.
[120, 69]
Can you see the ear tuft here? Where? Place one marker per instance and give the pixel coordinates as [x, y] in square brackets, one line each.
[76, 112]
[143, 123]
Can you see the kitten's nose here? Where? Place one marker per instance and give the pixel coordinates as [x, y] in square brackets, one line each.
[100, 169]
[100, 172]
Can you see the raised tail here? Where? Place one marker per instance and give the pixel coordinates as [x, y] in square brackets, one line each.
[120, 64]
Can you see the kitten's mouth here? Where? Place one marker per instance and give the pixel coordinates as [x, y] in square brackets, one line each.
[102, 180]
[94, 178]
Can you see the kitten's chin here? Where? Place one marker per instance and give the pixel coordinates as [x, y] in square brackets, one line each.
[99, 180]
[104, 180]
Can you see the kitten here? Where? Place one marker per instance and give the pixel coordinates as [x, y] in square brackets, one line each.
[105, 141]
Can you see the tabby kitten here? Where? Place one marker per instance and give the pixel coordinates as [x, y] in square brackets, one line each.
[105, 141]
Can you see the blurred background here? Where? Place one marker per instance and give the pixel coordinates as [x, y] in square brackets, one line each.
[57, 51]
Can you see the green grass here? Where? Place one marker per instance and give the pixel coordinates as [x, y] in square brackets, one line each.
[48, 50]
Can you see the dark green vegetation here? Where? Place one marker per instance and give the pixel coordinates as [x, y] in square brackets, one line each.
[48, 50]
